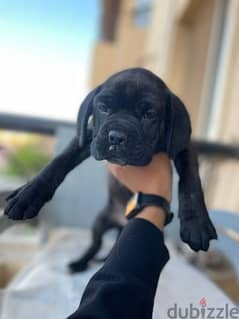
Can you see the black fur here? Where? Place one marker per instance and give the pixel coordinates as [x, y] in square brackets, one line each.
[126, 120]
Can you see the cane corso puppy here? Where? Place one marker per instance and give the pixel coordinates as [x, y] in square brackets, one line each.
[126, 120]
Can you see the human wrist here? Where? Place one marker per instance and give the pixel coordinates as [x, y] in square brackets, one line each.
[154, 215]
[161, 188]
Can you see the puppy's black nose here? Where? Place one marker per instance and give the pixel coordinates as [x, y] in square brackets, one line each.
[116, 137]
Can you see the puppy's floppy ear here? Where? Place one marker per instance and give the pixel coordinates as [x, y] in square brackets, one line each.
[85, 116]
[178, 126]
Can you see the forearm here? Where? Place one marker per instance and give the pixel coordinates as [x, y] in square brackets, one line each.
[125, 286]
[55, 172]
[154, 215]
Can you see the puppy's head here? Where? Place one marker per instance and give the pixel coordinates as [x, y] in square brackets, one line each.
[132, 116]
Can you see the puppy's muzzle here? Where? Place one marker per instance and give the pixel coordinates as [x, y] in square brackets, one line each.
[121, 140]
[116, 138]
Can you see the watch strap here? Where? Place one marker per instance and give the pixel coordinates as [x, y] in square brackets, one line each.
[141, 200]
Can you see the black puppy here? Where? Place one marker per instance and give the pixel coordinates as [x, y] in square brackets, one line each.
[126, 120]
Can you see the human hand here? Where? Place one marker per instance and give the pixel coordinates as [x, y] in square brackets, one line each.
[155, 178]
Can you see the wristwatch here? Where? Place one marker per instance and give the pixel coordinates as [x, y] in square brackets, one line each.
[141, 200]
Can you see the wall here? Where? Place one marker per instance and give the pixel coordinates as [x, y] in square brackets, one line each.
[125, 51]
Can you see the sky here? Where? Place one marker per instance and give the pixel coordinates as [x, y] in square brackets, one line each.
[45, 55]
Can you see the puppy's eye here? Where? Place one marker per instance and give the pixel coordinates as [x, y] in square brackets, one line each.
[149, 114]
[104, 108]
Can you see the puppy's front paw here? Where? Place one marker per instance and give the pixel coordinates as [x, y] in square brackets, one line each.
[197, 233]
[26, 201]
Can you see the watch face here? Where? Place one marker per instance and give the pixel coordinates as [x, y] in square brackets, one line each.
[132, 203]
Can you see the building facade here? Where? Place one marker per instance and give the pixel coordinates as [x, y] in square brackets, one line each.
[193, 45]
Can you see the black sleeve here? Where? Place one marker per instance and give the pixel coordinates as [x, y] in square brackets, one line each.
[125, 286]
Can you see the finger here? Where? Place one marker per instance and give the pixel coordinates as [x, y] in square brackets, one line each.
[112, 166]
[109, 165]
[115, 169]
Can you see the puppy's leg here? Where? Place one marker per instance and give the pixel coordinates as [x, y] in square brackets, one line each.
[26, 201]
[111, 217]
[196, 228]
[119, 229]
[101, 225]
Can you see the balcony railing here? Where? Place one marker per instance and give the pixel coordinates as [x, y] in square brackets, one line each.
[40, 125]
